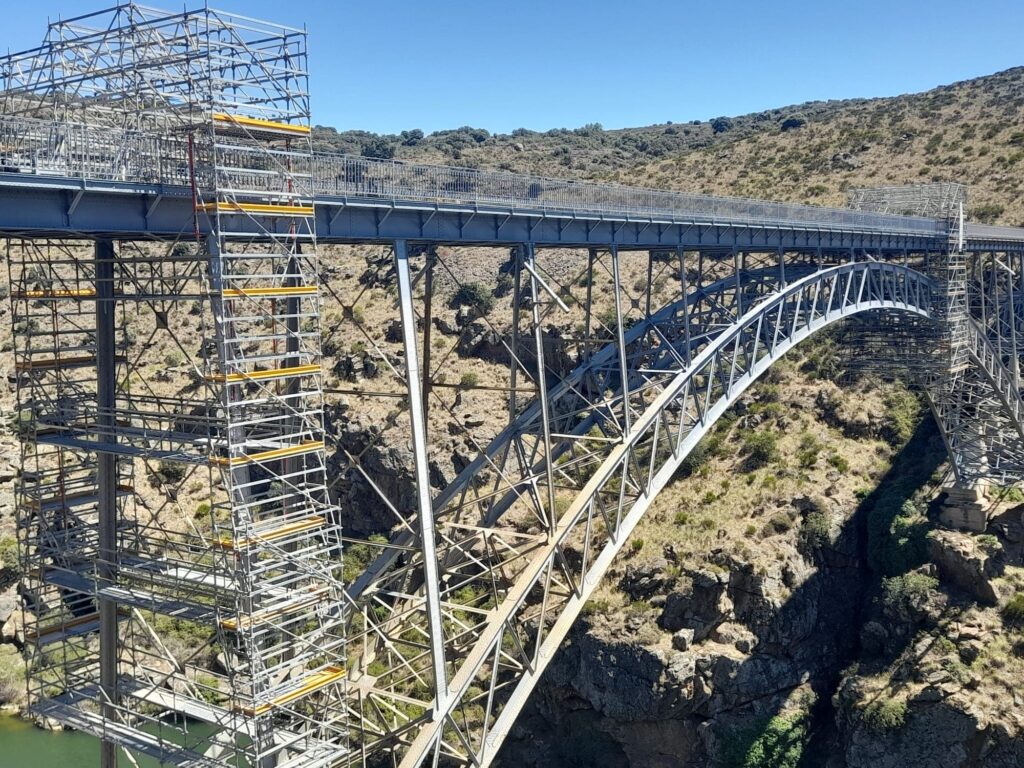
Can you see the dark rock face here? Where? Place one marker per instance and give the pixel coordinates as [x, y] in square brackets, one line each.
[934, 734]
[478, 339]
[701, 608]
[744, 638]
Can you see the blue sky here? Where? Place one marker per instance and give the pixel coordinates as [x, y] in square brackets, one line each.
[540, 64]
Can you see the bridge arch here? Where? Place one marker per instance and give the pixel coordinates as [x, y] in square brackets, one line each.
[494, 658]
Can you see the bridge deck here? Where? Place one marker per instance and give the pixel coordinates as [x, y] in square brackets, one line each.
[83, 180]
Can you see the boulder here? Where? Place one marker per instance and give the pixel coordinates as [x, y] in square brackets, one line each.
[644, 580]
[702, 607]
[963, 563]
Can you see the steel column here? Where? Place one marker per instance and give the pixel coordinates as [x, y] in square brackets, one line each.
[530, 261]
[621, 341]
[106, 481]
[428, 546]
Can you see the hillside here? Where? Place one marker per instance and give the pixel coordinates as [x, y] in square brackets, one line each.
[972, 132]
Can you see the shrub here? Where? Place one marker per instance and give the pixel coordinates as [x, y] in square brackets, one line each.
[469, 380]
[475, 296]
[707, 448]
[989, 543]
[791, 123]
[903, 412]
[682, 518]
[636, 545]
[170, 473]
[839, 462]
[986, 213]
[779, 523]
[903, 594]
[815, 534]
[9, 553]
[780, 745]
[12, 674]
[378, 147]
[762, 448]
[883, 715]
[1013, 611]
[503, 286]
[721, 124]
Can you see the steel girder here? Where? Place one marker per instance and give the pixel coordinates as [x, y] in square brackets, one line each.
[536, 584]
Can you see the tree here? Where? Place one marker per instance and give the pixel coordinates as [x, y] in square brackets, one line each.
[792, 123]
[474, 296]
[721, 124]
[378, 147]
[411, 138]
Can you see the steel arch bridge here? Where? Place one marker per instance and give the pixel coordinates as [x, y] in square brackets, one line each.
[157, 178]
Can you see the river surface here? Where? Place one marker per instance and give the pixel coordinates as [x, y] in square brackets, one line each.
[22, 745]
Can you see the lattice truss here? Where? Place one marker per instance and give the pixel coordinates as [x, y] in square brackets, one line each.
[253, 576]
[968, 362]
[454, 620]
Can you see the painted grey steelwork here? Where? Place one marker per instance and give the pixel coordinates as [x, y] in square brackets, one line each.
[66, 179]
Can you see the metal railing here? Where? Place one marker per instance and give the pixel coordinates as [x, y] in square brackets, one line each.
[74, 150]
[993, 233]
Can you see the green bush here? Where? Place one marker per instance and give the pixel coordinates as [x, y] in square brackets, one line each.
[170, 473]
[762, 448]
[883, 715]
[903, 594]
[903, 412]
[12, 674]
[778, 743]
[839, 462]
[989, 543]
[9, 553]
[815, 533]
[779, 523]
[707, 448]
[1013, 611]
[469, 380]
[475, 296]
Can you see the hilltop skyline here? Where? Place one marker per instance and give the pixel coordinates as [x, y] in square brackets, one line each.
[490, 66]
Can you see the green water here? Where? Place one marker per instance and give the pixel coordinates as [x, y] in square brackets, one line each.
[22, 745]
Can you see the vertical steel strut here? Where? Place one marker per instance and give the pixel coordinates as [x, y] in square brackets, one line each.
[431, 580]
[106, 483]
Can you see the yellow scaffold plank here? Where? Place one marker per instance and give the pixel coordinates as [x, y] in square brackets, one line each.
[71, 499]
[271, 292]
[57, 363]
[276, 453]
[311, 684]
[273, 373]
[306, 524]
[268, 614]
[65, 293]
[256, 209]
[59, 627]
[255, 124]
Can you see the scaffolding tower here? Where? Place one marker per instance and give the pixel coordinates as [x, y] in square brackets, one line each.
[257, 573]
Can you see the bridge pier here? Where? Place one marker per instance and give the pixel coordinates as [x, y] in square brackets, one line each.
[106, 483]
